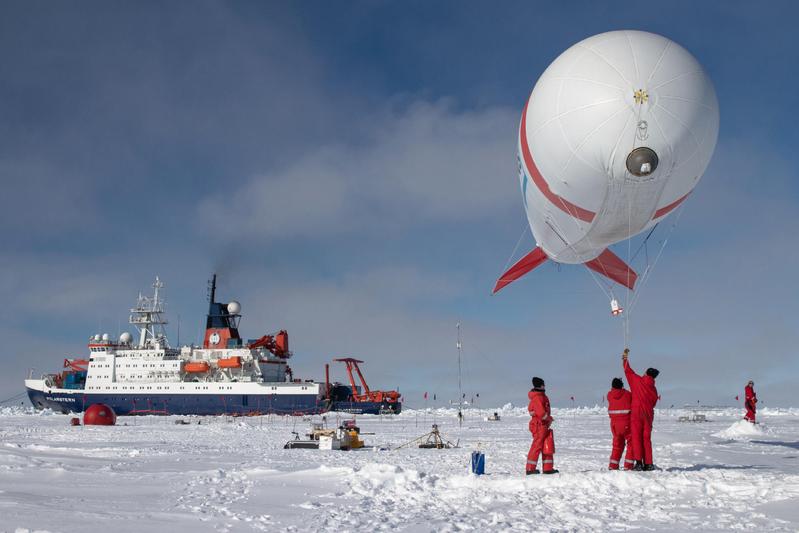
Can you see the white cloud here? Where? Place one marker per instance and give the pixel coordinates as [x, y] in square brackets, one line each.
[427, 163]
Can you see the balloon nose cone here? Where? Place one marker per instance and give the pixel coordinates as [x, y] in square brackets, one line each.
[642, 161]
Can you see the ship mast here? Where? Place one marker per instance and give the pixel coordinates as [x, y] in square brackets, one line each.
[147, 317]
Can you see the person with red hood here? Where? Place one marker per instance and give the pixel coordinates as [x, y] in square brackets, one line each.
[540, 420]
[644, 398]
[750, 401]
[619, 407]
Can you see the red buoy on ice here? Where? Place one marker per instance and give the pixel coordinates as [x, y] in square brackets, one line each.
[99, 414]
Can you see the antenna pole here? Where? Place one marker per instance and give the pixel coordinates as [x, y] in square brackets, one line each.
[460, 388]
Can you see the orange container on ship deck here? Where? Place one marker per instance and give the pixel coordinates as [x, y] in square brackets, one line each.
[229, 362]
[196, 366]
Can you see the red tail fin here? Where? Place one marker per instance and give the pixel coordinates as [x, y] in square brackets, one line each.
[522, 267]
[609, 265]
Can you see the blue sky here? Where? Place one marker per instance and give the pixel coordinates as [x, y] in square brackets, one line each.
[349, 171]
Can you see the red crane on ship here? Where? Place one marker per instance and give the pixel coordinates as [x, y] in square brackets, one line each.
[366, 394]
[278, 344]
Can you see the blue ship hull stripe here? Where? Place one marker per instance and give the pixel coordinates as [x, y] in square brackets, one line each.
[182, 404]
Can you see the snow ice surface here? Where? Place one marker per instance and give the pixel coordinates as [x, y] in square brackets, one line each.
[743, 430]
[232, 474]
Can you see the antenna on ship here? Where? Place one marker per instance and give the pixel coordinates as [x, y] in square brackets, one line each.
[147, 317]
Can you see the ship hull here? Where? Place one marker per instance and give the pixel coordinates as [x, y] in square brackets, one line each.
[180, 404]
[367, 408]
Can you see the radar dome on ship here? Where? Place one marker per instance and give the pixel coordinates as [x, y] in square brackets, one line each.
[234, 307]
[97, 337]
[106, 336]
[125, 338]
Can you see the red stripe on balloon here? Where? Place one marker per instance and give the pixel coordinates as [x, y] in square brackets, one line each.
[664, 210]
[563, 204]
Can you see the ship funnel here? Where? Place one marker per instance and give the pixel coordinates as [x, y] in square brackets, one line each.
[222, 322]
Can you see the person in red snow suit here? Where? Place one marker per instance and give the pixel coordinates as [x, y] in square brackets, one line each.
[619, 406]
[540, 420]
[750, 401]
[644, 398]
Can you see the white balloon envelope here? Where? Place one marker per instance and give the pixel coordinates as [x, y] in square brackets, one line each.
[615, 135]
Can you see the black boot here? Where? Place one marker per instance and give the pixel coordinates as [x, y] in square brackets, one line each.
[649, 468]
[639, 466]
[533, 471]
[553, 471]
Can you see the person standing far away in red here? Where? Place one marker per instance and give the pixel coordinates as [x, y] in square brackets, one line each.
[540, 420]
[642, 416]
[750, 402]
[619, 408]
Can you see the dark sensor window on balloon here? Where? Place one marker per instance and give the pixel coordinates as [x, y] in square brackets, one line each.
[642, 161]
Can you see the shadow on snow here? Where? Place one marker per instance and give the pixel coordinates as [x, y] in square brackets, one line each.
[696, 468]
[794, 445]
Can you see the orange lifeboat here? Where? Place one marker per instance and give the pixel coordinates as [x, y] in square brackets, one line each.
[229, 362]
[196, 366]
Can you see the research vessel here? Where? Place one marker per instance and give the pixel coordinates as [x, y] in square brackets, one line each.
[145, 375]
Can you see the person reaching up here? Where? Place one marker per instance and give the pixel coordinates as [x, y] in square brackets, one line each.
[642, 416]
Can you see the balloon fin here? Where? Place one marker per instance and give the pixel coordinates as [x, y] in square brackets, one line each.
[522, 267]
[609, 265]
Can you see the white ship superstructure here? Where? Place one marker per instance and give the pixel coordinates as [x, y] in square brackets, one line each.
[224, 375]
